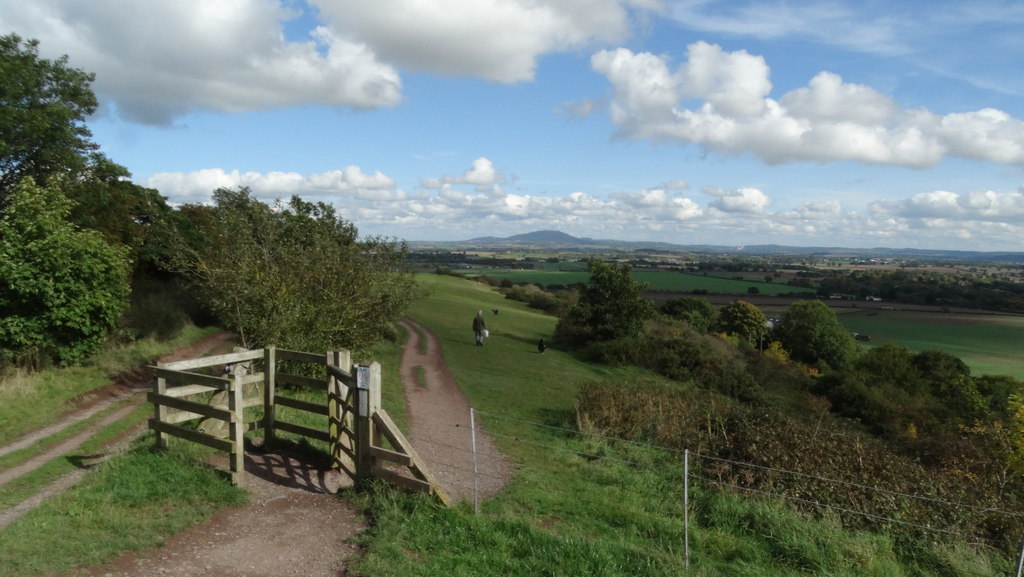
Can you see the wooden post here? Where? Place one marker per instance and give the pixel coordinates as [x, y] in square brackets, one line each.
[237, 427]
[340, 415]
[367, 403]
[160, 412]
[269, 386]
[375, 405]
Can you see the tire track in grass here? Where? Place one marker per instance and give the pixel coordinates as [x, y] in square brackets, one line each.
[61, 449]
[77, 417]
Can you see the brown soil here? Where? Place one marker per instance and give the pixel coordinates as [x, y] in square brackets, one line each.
[292, 524]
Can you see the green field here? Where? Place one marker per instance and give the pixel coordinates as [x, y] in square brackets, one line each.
[989, 344]
[655, 280]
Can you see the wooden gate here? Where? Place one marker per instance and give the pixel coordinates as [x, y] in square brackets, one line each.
[354, 422]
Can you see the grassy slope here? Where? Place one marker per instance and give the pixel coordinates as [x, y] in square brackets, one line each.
[566, 514]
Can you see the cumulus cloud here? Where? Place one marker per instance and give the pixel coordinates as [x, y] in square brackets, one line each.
[743, 200]
[985, 206]
[197, 187]
[458, 208]
[498, 40]
[160, 59]
[157, 60]
[720, 100]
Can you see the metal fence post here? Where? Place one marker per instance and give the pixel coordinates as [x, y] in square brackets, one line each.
[686, 509]
[1020, 560]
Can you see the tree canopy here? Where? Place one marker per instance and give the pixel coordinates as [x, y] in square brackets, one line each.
[744, 320]
[294, 275]
[812, 334]
[43, 107]
[698, 312]
[62, 289]
[610, 305]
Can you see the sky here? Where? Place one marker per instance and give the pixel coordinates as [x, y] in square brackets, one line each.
[854, 123]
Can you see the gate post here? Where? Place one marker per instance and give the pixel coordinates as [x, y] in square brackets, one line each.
[269, 386]
[237, 425]
[367, 403]
[161, 410]
[340, 410]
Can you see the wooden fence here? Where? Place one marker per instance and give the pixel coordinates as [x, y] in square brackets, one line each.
[354, 422]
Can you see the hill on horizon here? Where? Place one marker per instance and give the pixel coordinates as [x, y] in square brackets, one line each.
[555, 239]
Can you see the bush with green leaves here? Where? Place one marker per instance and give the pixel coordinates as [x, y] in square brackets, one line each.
[62, 289]
[295, 275]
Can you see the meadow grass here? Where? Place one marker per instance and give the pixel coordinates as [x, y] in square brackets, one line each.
[582, 504]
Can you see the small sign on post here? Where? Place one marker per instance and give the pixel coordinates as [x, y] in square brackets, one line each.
[363, 384]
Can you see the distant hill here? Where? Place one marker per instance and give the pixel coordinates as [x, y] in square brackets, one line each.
[553, 239]
[538, 237]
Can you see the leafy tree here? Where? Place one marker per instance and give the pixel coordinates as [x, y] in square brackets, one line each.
[125, 213]
[697, 312]
[43, 107]
[744, 320]
[295, 275]
[812, 334]
[62, 289]
[609, 306]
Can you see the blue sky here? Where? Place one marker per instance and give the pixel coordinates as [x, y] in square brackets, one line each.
[834, 123]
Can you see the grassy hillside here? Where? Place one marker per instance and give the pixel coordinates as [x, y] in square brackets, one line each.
[582, 504]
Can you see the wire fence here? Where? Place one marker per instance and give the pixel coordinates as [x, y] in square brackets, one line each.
[465, 472]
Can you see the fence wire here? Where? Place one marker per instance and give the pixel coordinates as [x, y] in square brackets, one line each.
[525, 432]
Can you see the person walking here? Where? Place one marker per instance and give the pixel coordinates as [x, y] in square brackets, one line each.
[479, 328]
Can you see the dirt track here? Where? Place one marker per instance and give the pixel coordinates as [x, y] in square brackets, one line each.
[292, 524]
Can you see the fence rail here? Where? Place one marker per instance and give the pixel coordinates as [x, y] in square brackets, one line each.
[354, 423]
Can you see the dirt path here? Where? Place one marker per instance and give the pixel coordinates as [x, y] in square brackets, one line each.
[438, 416]
[292, 524]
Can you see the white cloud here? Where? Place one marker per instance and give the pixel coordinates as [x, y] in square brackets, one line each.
[979, 207]
[827, 121]
[498, 40]
[157, 60]
[743, 200]
[459, 209]
[197, 187]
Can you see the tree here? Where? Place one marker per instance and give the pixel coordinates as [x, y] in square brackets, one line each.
[294, 275]
[125, 213]
[812, 334]
[698, 312]
[43, 107]
[62, 289]
[609, 306]
[744, 320]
